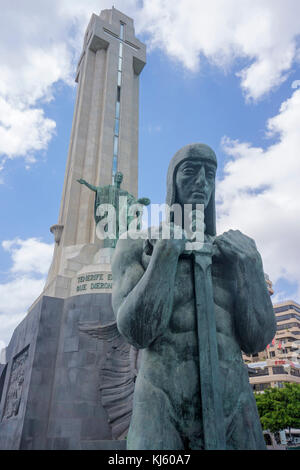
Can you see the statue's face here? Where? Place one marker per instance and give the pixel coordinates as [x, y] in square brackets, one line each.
[118, 178]
[195, 181]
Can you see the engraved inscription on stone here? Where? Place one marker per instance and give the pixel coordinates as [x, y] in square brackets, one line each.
[15, 387]
[94, 282]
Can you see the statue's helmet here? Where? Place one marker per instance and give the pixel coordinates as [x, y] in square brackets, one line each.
[200, 152]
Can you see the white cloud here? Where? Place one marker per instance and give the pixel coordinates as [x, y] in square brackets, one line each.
[16, 297]
[23, 130]
[295, 84]
[154, 128]
[31, 259]
[262, 31]
[40, 43]
[39, 46]
[29, 255]
[2, 352]
[259, 193]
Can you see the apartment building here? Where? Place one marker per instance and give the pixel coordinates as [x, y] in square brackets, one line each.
[280, 362]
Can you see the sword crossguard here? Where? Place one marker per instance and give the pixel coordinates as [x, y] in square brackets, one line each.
[199, 248]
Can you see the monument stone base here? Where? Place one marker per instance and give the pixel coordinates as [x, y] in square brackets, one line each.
[50, 384]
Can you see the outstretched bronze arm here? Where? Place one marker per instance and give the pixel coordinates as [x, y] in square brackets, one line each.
[90, 186]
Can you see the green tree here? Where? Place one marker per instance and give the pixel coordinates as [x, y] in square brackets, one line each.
[279, 408]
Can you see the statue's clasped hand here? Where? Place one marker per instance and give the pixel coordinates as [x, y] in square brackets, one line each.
[167, 236]
[235, 247]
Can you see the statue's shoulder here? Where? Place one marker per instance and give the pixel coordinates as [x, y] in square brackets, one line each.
[105, 189]
[128, 251]
[123, 192]
[127, 259]
[130, 198]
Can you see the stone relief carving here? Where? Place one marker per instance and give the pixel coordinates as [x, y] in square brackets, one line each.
[117, 376]
[15, 387]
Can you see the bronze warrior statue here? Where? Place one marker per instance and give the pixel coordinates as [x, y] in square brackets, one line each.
[192, 314]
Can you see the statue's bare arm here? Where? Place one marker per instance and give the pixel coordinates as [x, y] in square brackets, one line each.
[90, 186]
[143, 299]
[254, 316]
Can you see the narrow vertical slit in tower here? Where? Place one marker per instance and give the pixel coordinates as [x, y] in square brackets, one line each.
[118, 104]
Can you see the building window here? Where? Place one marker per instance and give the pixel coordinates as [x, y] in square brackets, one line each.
[261, 387]
[268, 439]
[287, 326]
[286, 308]
[295, 372]
[260, 372]
[288, 316]
[278, 370]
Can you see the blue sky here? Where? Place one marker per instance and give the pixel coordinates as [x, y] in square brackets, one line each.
[225, 75]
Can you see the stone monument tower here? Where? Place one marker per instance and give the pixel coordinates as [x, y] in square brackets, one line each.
[104, 140]
[65, 381]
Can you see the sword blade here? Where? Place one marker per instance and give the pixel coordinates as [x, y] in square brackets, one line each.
[211, 397]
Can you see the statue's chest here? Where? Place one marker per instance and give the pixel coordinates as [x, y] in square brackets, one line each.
[183, 317]
[184, 312]
[184, 282]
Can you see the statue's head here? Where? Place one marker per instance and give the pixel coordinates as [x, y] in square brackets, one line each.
[118, 178]
[191, 180]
